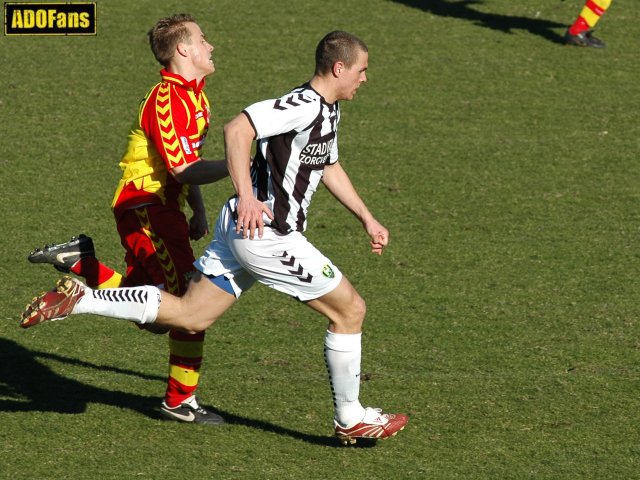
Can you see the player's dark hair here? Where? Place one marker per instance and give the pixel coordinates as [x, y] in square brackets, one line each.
[167, 33]
[335, 47]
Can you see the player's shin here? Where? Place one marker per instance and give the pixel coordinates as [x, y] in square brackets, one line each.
[136, 304]
[342, 354]
[185, 360]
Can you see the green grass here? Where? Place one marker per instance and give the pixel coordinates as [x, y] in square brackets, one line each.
[502, 318]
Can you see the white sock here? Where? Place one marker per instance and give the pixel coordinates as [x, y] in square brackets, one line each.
[342, 353]
[137, 304]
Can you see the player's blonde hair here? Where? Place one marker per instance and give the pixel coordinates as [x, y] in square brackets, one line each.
[337, 46]
[167, 33]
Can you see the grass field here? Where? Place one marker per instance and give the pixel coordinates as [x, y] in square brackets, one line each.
[503, 318]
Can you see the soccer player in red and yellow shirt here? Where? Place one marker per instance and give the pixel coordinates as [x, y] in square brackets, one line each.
[162, 169]
[580, 32]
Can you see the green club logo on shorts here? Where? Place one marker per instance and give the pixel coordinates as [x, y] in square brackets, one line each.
[327, 271]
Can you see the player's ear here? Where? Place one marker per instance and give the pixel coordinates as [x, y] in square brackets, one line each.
[338, 68]
[181, 49]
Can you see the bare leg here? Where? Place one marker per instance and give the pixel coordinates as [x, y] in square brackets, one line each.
[201, 305]
[344, 308]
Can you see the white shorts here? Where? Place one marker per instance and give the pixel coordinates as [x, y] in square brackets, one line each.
[287, 263]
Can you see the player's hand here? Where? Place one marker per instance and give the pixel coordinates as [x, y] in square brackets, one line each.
[198, 226]
[250, 211]
[379, 236]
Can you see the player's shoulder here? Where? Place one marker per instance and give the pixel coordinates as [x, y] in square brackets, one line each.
[308, 92]
[162, 101]
[158, 91]
[302, 97]
[149, 100]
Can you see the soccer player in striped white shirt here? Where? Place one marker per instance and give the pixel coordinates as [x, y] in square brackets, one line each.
[260, 234]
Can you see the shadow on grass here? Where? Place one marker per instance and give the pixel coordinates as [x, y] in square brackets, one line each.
[26, 385]
[463, 9]
[326, 441]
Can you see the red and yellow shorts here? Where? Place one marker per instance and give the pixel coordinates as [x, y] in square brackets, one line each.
[158, 252]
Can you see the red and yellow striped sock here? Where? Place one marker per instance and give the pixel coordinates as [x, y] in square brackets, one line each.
[185, 359]
[96, 274]
[589, 16]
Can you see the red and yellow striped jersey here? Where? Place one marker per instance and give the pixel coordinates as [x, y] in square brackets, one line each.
[171, 127]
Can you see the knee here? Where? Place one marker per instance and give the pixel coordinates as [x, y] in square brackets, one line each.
[355, 313]
[360, 308]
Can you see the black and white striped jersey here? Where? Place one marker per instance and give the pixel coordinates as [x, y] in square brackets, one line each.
[296, 137]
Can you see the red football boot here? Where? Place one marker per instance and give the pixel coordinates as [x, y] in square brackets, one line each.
[375, 425]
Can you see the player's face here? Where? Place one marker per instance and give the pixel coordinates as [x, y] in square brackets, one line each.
[355, 75]
[200, 51]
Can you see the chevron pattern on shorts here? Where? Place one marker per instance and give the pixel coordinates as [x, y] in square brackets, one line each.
[162, 254]
[299, 273]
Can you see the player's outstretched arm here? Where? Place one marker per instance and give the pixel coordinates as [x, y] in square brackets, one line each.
[201, 172]
[338, 183]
